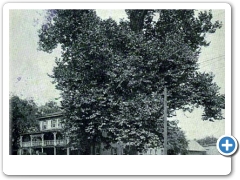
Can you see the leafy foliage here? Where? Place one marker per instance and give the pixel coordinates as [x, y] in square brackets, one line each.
[192, 28]
[22, 119]
[112, 75]
[48, 108]
[207, 140]
[177, 142]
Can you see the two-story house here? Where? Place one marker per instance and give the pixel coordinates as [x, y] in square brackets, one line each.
[48, 140]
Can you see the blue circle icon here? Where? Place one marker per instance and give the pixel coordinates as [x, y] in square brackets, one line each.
[227, 145]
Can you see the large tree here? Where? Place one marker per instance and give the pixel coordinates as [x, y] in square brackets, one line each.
[22, 120]
[80, 73]
[112, 75]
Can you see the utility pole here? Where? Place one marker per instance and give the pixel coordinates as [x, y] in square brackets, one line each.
[165, 121]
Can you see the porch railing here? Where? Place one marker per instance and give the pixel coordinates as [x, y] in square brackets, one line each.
[45, 143]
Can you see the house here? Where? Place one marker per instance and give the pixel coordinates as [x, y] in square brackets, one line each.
[194, 148]
[48, 140]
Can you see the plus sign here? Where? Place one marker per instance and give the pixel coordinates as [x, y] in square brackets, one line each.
[227, 145]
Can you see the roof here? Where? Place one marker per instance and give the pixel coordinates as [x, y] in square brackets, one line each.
[42, 131]
[195, 146]
[52, 115]
[207, 145]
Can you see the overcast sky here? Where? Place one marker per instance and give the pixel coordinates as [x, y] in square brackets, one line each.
[29, 67]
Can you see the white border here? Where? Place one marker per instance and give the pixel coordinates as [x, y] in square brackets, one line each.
[140, 5]
[114, 165]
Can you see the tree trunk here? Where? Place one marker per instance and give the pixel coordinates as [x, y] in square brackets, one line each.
[137, 19]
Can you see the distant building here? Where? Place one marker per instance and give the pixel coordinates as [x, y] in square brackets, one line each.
[211, 149]
[194, 148]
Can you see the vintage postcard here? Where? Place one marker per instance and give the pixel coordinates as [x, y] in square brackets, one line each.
[148, 81]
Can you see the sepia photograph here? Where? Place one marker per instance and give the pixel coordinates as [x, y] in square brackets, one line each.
[116, 81]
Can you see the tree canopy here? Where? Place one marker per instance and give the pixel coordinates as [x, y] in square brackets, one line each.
[111, 76]
[48, 108]
[208, 140]
[22, 119]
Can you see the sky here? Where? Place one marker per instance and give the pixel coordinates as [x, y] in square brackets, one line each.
[29, 67]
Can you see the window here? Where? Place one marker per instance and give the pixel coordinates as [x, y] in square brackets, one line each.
[59, 124]
[44, 125]
[53, 123]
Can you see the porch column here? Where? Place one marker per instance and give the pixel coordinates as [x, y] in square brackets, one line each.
[68, 150]
[21, 141]
[30, 150]
[42, 136]
[57, 123]
[54, 134]
[54, 148]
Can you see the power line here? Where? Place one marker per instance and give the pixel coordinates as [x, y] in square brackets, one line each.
[213, 58]
[205, 65]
